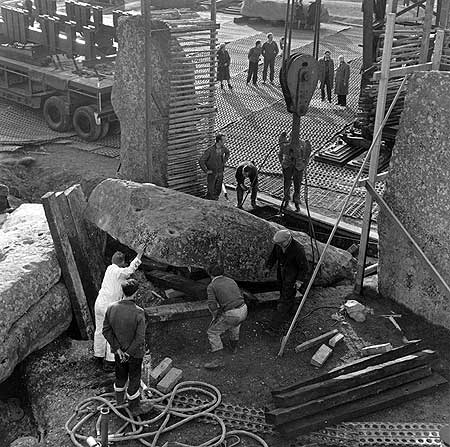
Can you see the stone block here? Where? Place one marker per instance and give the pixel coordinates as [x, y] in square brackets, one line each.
[376, 349]
[183, 230]
[417, 192]
[27, 261]
[168, 383]
[335, 340]
[160, 371]
[321, 356]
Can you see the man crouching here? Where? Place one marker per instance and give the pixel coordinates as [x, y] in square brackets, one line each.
[124, 329]
[228, 310]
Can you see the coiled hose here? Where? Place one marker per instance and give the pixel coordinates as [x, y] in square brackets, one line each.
[133, 427]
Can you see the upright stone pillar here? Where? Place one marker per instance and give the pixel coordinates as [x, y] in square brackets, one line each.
[418, 191]
[128, 99]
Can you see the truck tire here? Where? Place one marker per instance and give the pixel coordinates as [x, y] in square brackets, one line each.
[85, 125]
[56, 114]
[105, 129]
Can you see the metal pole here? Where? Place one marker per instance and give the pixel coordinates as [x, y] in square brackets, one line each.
[373, 167]
[147, 16]
[286, 30]
[333, 231]
[317, 29]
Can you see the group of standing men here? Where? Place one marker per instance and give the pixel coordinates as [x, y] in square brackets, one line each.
[269, 51]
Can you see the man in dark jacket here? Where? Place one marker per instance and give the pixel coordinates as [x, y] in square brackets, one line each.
[212, 162]
[269, 53]
[253, 60]
[341, 81]
[293, 160]
[292, 272]
[246, 170]
[326, 75]
[124, 328]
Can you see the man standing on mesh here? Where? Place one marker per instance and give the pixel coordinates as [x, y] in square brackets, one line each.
[269, 53]
[326, 75]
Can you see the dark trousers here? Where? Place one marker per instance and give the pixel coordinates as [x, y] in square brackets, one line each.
[269, 64]
[214, 184]
[131, 371]
[252, 72]
[285, 307]
[240, 193]
[292, 174]
[325, 84]
[342, 100]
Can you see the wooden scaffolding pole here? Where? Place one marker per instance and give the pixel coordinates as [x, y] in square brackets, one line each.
[373, 167]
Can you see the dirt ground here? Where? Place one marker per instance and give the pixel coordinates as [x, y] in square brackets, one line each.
[59, 376]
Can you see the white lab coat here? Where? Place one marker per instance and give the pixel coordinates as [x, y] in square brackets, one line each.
[110, 292]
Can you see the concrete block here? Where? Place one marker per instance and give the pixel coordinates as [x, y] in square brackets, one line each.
[169, 381]
[335, 340]
[160, 371]
[321, 356]
[376, 349]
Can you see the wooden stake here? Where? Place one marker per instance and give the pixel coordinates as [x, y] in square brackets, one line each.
[373, 167]
[437, 52]
[425, 45]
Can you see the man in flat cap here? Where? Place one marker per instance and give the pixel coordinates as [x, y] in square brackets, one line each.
[292, 271]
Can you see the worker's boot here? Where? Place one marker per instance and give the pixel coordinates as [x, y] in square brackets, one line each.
[216, 361]
[139, 407]
[297, 207]
[120, 397]
[234, 346]
[254, 205]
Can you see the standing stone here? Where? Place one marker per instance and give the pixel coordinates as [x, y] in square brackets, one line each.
[417, 190]
[128, 99]
[183, 230]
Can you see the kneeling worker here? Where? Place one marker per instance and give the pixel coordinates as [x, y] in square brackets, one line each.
[292, 272]
[228, 310]
[246, 170]
[124, 328]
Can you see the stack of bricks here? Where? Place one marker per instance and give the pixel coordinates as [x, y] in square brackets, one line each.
[164, 376]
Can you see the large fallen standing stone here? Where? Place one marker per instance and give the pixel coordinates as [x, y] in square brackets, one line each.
[183, 230]
[417, 190]
[33, 310]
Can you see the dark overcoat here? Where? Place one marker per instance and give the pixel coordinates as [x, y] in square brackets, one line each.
[342, 79]
[223, 65]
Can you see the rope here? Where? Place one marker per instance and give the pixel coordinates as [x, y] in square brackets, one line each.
[132, 428]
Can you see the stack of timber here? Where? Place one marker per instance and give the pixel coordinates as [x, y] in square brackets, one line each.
[365, 386]
[367, 108]
[77, 246]
[192, 76]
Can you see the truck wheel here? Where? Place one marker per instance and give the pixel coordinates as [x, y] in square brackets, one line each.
[56, 114]
[85, 125]
[105, 129]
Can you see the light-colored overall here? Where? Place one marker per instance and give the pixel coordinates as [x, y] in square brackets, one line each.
[110, 292]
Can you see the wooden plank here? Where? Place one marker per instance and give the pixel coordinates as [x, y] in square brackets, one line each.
[68, 266]
[357, 365]
[353, 379]
[403, 71]
[90, 237]
[427, 22]
[192, 289]
[179, 311]
[81, 260]
[437, 51]
[374, 156]
[371, 270]
[278, 416]
[315, 341]
[363, 406]
[385, 207]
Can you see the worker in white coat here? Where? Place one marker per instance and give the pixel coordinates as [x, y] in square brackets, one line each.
[111, 291]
